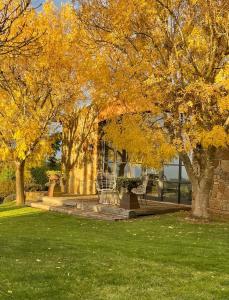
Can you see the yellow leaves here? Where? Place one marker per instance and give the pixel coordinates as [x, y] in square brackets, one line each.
[35, 88]
[216, 137]
[224, 104]
[143, 145]
[197, 40]
[223, 76]
[4, 152]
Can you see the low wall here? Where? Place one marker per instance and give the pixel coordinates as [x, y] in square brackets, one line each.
[35, 196]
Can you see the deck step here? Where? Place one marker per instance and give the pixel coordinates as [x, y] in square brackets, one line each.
[88, 214]
[114, 210]
[70, 200]
[40, 205]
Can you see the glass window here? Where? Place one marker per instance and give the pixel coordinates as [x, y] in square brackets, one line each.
[136, 170]
[171, 173]
[185, 193]
[170, 191]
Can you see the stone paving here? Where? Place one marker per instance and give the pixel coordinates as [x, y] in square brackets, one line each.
[90, 208]
[70, 210]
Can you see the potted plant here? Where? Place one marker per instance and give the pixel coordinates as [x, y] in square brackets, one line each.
[54, 177]
[125, 185]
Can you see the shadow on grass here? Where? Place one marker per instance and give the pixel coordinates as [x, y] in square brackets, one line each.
[8, 206]
[10, 210]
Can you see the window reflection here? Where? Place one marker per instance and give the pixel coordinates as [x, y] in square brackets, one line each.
[171, 173]
[170, 184]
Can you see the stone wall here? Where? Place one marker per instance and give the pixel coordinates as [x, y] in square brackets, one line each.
[219, 201]
[83, 177]
[35, 196]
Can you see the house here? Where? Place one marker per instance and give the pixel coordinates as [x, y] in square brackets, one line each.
[97, 155]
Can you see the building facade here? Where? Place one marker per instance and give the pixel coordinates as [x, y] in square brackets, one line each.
[175, 185]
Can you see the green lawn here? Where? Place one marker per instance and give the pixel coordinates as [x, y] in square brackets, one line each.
[51, 256]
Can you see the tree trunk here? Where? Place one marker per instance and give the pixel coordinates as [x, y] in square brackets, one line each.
[201, 195]
[20, 193]
[65, 181]
[201, 174]
[121, 172]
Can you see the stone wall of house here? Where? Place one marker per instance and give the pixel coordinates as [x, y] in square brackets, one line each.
[219, 201]
[83, 177]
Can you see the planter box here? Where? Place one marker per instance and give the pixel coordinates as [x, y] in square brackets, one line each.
[129, 201]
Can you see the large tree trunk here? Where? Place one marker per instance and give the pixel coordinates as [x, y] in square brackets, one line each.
[20, 193]
[67, 180]
[201, 174]
[201, 192]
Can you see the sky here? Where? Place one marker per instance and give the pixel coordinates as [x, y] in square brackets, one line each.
[58, 2]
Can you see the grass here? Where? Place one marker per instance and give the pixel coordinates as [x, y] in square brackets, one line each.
[51, 256]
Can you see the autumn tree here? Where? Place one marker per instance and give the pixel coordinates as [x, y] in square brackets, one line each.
[13, 25]
[79, 123]
[34, 90]
[168, 58]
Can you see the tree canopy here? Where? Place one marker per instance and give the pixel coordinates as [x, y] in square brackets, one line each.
[169, 58]
[35, 87]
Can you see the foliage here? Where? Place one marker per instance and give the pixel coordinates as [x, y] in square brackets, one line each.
[7, 172]
[128, 183]
[7, 187]
[167, 62]
[14, 38]
[130, 132]
[53, 173]
[39, 175]
[159, 65]
[33, 90]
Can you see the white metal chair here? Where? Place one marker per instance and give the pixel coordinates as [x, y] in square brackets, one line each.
[141, 189]
[106, 185]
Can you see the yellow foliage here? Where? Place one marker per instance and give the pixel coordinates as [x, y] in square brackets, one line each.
[169, 58]
[36, 87]
[132, 134]
[217, 137]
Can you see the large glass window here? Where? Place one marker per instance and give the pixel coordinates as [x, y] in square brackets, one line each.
[171, 184]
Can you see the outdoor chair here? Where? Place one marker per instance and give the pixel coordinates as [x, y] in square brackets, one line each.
[106, 187]
[141, 189]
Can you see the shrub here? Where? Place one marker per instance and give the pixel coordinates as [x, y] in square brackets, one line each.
[39, 175]
[128, 183]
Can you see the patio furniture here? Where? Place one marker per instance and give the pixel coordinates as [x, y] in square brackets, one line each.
[106, 188]
[141, 189]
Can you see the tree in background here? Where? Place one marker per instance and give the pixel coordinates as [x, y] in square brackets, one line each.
[13, 25]
[79, 132]
[168, 58]
[35, 88]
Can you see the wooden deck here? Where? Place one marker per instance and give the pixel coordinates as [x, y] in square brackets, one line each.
[88, 206]
[151, 207]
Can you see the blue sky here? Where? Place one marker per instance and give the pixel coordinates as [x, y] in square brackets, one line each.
[61, 1]
[58, 2]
